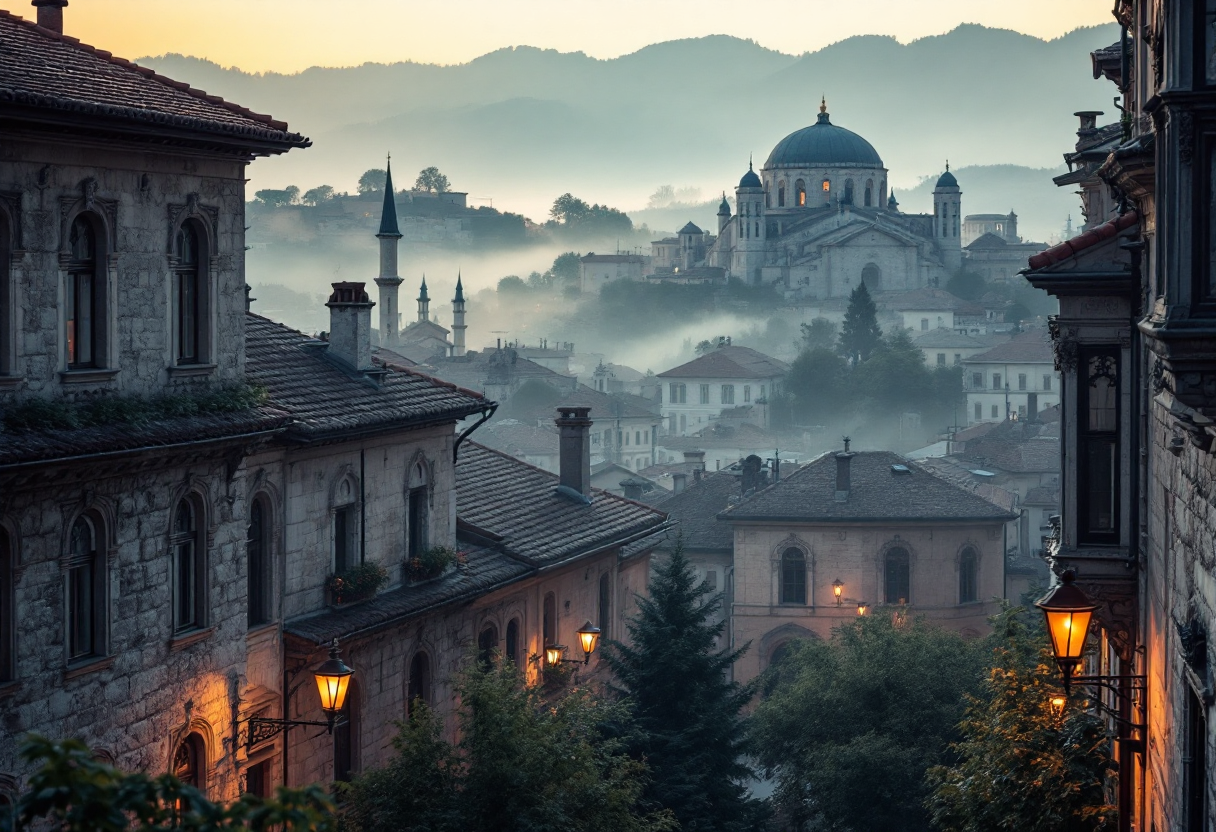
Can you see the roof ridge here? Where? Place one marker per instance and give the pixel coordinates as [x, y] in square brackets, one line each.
[109, 57]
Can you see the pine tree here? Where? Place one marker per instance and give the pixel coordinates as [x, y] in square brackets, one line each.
[860, 333]
[688, 721]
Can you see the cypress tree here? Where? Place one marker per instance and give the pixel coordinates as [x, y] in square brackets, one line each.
[860, 333]
[688, 721]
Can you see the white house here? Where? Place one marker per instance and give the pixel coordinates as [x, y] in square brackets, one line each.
[695, 393]
[1016, 377]
[597, 269]
[948, 347]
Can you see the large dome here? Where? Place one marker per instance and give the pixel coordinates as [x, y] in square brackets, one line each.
[821, 145]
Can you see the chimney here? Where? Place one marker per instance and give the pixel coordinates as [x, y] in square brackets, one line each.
[844, 478]
[350, 326]
[574, 426]
[633, 488]
[1089, 122]
[696, 458]
[50, 14]
[677, 482]
[696, 474]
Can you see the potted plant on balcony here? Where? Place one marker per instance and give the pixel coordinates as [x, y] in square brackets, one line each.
[355, 584]
[431, 563]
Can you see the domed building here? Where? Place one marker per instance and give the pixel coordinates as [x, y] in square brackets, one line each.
[819, 218]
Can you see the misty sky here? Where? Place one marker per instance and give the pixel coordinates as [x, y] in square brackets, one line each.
[290, 35]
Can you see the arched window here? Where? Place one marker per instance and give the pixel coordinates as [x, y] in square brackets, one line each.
[605, 603]
[882, 195]
[8, 621]
[86, 590]
[257, 551]
[793, 576]
[511, 648]
[897, 572]
[416, 530]
[84, 300]
[549, 622]
[869, 192]
[189, 567]
[827, 187]
[190, 760]
[800, 193]
[419, 687]
[968, 589]
[189, 296]
[848, 191]
[487, 644]
[781, 195]
[345, 526]
[871, 275]
[346, 734]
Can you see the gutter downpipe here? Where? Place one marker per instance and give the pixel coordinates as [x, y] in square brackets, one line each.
[486, 415]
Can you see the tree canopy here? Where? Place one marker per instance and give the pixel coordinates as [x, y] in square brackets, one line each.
[688, 717]
[860, 334]
[572, 213]
[524, 763]
[278, 198]
[317, 195]
[372, 181]
[848, 727]
[432, 181]
[820, 333]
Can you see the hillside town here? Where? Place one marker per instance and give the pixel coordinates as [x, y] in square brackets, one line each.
[260, 558]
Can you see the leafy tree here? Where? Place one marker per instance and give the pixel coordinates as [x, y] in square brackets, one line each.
[966, 285]
[860, 333]
[569, 209]
[703, 347]
[512, 284]
[574, 214]
[278, 198]
[820, 333]
[818, 382]
[432, 181]
[566, 267]
[317, 195]
[523, 762]
[690, 728]
[849, 726]
[372, 181]
[1017, 313]
[72, 792]
[1018, 765]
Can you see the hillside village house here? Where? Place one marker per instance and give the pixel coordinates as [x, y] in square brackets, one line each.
[595, 270]
[949, 348]
[174, 582]
[1012, 379]
[694, 393]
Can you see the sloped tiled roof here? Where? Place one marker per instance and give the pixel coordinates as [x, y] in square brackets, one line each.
[1030, 347]
[520, 503]
[943, 338]
[513, 437]
[44, 74]
[1042, 495]
[928, 299]
[877, 494]
[1078, 244]
[729, 362]
[324, 400]
[696, 509]
[987, 240]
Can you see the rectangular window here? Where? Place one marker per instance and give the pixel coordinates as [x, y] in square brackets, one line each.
[762, 391]
[747, 393]
[1098, 446]
[80, 609]
[637, 437]
[958, 358]
[704, 394]
[186, 301]
[996, 381]
[417, 522]
[996, 413]
[622, 439]
[711, 579]
[345, 551]
[1047, 382]
[257, 779]
[646, 437]
[728, 394]
[924, 324]
[941, 359]
[979, 412]
[80, 319]
[977, 380]
[1021, 381]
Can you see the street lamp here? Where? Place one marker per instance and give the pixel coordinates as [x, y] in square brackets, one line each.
[333, 682]
[1057, 703]
[838, 590]
[862, 607]
[1068, 611]
[588, 638]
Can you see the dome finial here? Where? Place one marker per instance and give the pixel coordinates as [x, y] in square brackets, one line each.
[749, 161]
[823, 104]
[947, 166]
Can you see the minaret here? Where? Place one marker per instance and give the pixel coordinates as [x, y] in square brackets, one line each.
[424, 303]
[388, 281]
[893, 203]
[458, 326]
[947, 220]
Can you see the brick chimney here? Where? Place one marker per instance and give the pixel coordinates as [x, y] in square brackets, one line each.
[50, 14]
[844, 477]
[350, 326]
[574, 426]
[677, 482]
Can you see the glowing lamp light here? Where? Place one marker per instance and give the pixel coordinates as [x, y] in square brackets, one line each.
[333, 681]
[1068, 611]
[588, 638]
[862, 607]
[837, 590]
[1057, 703]
[553, 654]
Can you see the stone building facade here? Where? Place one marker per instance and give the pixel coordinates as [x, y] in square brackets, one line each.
[697, 392]
[1134, 344]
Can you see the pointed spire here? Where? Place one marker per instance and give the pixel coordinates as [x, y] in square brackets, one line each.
[749, 161]
[947, 166]
[823, 104]
[459, 290]
[388, 214]
[422, 295]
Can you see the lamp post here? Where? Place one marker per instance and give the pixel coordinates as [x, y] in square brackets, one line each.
[588, 639]
[333, 682]
[862, 607]
[1068, 611]
[1057, 704]
[838, 590]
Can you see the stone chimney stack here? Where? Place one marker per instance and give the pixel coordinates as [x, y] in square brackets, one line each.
[350, 326]
[1089, 123]
[677, 482]
[632, 488]
[844, 474]
[574, 449]
[50, 14]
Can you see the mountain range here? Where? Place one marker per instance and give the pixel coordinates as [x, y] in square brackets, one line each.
[521, 125]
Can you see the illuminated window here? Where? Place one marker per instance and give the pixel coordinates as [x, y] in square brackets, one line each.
[800, 193]
[827, 185]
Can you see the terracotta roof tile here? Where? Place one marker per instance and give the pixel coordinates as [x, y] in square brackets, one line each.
[1030, 347]
[1070, 248]
[729, 362]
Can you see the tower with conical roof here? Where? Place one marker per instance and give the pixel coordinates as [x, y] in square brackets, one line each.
[424, 303]
[948, 219]
[458, 325]
[388, 281]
